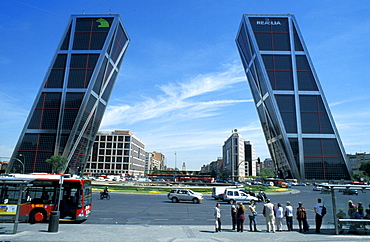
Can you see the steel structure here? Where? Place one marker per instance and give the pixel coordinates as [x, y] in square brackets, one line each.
[299, 129]
[73, 96]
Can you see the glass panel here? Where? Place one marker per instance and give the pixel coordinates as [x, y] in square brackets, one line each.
[314, 116]
[56, 76]
[306, 80]
[81, 69]
[90, 33]
[297, 42]
[66, 39]
[271, 33]
[279, 70]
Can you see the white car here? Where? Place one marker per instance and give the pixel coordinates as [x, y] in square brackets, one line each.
[317, 188]
[176, 195]
[233, 194]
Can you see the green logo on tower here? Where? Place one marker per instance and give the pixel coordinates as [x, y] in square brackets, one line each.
[103, 23]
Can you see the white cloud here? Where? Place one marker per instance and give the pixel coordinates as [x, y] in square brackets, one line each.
[178, 100]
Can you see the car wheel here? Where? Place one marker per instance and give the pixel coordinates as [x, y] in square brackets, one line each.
[231, 201]
[195, 200]
[175, 200]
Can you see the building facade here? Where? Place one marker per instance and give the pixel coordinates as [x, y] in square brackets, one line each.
[233, 158]
[152, 162]
[70, 104]
[250, 159]
[117, 153]
[299, 129]
[355, 160]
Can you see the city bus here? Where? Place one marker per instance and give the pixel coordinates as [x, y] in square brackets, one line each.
[277, 182]
[43, 194]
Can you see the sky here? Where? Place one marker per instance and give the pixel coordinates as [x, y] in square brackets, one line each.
[182, 88]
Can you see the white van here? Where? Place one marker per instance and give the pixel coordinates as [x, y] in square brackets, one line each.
[232, 194]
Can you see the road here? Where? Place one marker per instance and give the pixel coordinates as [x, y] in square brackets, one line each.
[154, 209]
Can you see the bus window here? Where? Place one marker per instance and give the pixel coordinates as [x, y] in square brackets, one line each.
[10, 194]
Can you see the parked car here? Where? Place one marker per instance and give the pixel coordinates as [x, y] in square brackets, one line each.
[349, 192]
[325, 190]
[176, 195]
[301, 184]
[317, 188]
[234, 194]
[269, 184]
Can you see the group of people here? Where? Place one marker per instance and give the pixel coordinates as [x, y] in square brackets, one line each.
[274, 216]
[354, 212]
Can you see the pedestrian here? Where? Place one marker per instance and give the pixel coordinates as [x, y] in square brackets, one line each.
[288, 212]
[367, 216]
[262, 195]
[352, 208]
[341, 215]
[251, 192]
[217, 214]
[268, 212]
[318, 214]
[302, 217]
[252, 214]
[240, 218]
[360, 209]
[279, 214]
[352, 213]
[233, 215]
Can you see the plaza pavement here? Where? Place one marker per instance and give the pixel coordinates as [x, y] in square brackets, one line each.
[173, 233]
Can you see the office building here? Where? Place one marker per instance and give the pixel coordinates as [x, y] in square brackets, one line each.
[117, 153]
[152, 163]
[233, 158]
[72, 99]
[250, 159]
[356, 159]
[299, 129]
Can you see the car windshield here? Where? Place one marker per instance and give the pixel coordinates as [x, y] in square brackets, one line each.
[191, 192]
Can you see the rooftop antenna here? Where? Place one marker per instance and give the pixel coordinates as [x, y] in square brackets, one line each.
[83, 11]
[110, 11]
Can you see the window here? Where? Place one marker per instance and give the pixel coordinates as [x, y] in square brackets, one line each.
[279, 70]
[314, 116]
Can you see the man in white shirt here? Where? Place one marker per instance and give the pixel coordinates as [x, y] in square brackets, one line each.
[318, 217]
[269, 213]
[289, 216]
[217, 214]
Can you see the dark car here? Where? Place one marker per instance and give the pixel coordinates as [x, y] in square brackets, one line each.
[350, 192]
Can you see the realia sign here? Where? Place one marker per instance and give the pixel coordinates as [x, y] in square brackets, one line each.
[268, 22]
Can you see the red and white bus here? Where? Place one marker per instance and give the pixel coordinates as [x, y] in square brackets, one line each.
[41, 196]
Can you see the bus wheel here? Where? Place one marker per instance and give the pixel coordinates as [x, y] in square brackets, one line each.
[37, 216]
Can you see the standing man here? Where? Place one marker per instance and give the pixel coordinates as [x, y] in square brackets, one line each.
[269, 213]
[318, 217]
[233, 214]
[289, 216]
[217, 214]
[302, 218]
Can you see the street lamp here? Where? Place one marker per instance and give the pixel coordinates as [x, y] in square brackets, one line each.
[20, 162]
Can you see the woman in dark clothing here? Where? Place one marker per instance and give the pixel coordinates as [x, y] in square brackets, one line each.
[240, 218]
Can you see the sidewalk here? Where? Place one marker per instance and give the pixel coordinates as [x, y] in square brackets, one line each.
[88, 232]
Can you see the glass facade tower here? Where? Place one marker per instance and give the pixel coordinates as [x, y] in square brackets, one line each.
[72, 99]
[299, 129]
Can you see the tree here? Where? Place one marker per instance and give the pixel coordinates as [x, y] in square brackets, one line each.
[364, 171]
[266, 173]
[365, 167]
[58, 163]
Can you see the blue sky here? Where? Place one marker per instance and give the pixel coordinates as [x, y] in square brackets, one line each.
[182, 87]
